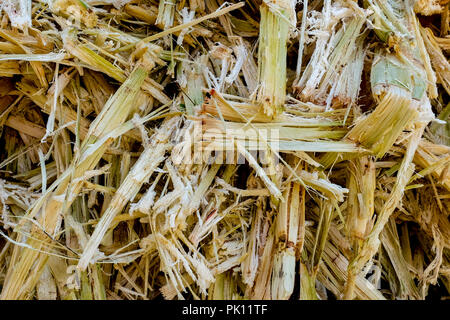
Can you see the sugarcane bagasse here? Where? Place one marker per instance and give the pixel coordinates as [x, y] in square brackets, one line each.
[202, 149]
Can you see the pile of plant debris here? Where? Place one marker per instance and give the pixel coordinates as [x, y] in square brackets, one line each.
[274, 149]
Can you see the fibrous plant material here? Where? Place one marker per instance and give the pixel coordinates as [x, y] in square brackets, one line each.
[213, 150]
[166, 14]
[277, 18]
[333, 73]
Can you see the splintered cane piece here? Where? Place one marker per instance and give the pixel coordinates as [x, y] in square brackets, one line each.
[277, 18]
